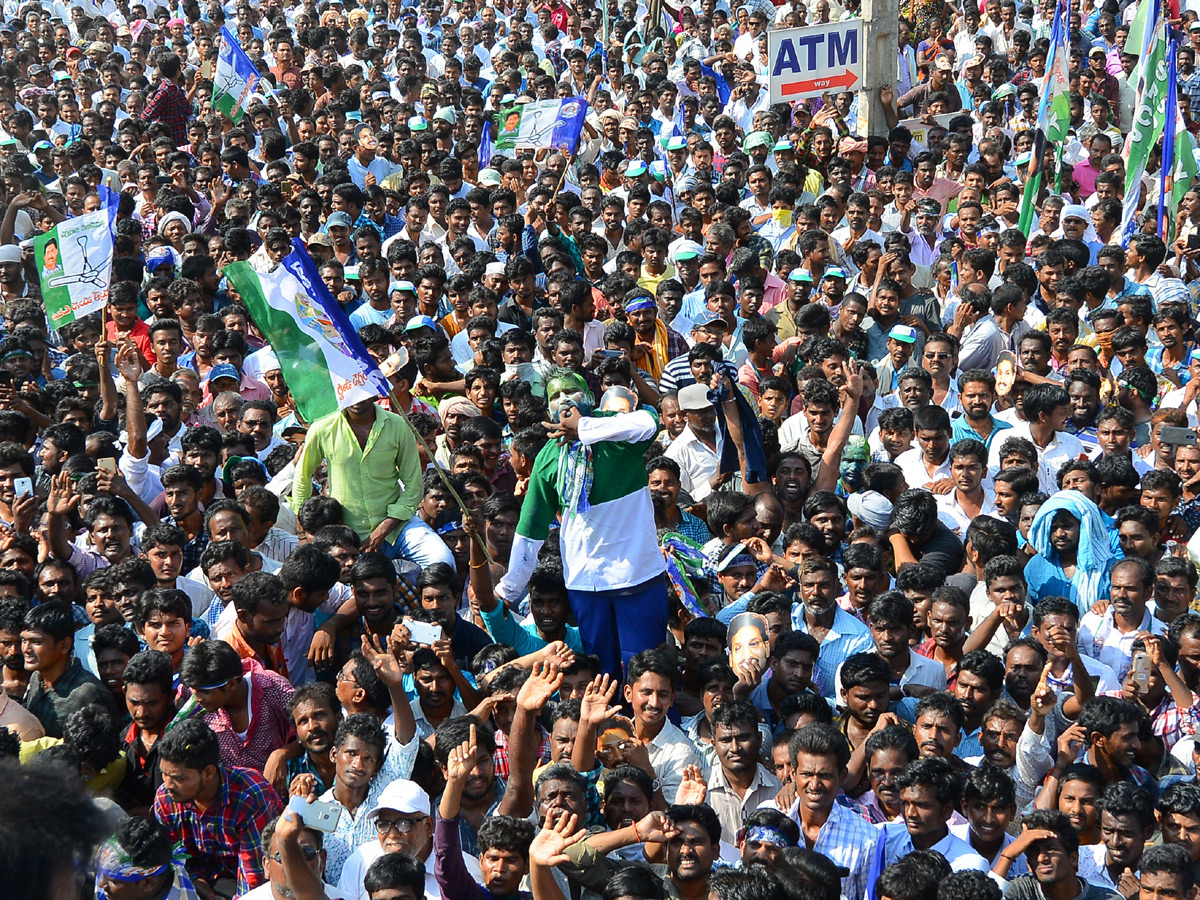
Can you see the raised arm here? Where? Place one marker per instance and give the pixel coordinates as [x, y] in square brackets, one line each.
[535, 693]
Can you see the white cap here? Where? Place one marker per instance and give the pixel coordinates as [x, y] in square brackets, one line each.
[402, 796]
[494, 268]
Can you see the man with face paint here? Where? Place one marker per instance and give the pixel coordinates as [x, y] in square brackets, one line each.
[594, 476]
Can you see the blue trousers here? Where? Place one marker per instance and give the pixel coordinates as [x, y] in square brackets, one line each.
[419, 544]
[616, 625]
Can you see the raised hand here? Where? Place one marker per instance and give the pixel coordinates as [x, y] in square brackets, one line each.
[549, 846]
[1070, 742]
[62, 499]
[541, 685]
[595, 708]
[462, 759]
[692, 789]
[656, 828]
[386, 666]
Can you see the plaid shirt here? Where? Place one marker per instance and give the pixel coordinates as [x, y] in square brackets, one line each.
[392, 225]
[271, 725]
[169, 105]
[1171, 723]
[500, 757]
[850, 841]
[226, 839]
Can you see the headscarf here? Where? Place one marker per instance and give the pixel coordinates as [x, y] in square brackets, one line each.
[172, 217]
[1095, 552]
[451, 405]
[113, 862]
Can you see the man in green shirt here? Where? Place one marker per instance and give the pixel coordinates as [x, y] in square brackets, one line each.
[375, 473]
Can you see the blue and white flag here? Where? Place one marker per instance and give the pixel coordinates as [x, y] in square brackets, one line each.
[234, 80]
[546, 123]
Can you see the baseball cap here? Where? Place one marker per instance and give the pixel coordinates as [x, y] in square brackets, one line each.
[402, 796]
[420, 322]
[694, 397]
[707, 317]
[338, 219]
[489, 177]
[757, 139]
[834, 272]
[161, 256]
[320, 238]
[224, 370]
[417, 123]
[636, 168]
[798, 274]
[677, 143]
[906, 334]
[403, 286]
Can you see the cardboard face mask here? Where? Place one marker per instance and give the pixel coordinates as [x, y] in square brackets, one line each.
[748, 642]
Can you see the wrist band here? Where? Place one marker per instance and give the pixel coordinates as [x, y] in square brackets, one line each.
[636, 835]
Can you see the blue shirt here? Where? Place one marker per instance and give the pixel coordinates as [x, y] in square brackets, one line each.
[961, 430]
[846, 637]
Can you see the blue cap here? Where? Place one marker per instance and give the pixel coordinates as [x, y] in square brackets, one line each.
[798, 274]
[677, 143]
[906, 334]
[420, 322]
[636, 168]
[338, 219]
[834, 272]
[417, 123]
[1194, 356]
[406, 286]
[707, 317]
[161, 256]
[224, 370]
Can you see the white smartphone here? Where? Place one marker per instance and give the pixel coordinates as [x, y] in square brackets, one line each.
[318, 815]
[23, 486]
[424, 632]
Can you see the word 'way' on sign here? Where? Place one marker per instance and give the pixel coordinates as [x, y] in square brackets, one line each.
[808, 62]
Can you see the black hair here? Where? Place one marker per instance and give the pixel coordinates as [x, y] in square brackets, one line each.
[191, 743]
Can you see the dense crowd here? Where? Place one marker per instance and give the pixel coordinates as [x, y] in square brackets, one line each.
[759, 508]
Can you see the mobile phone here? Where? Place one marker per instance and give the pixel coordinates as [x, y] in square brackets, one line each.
[1141, 670]
[1179, 437]
[424, 632]
[107, 463]
[23, 486]
[1193, 241]
[318, 815]
[611, 354]
[5, 377]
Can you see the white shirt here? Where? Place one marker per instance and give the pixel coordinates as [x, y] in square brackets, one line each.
[915, 471]
[1062, 448]
[355, 870]
[263, 892]
[669, 752]
[697, 463]
[1100, 639]
[952, 514]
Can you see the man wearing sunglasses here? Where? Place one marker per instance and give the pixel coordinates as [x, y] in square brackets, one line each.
[403, 825]
[294, 862]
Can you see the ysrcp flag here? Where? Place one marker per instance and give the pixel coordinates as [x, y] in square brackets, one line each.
[234, 80]
[555, 124]
[74, 260]
[322, 358]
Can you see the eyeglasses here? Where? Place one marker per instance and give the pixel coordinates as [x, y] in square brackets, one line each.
[400, 826]
[310, 854]
[349, 679]
[937, 355]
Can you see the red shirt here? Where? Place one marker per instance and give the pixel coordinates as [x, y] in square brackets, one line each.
[141, 336]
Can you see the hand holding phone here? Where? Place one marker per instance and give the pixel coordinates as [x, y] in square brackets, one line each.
[23, 487]
[423, 632]
[318, 815]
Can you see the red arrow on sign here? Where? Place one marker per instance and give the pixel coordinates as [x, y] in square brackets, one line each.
[845, 81]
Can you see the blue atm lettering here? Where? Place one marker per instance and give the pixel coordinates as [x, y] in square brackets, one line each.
[804, 54]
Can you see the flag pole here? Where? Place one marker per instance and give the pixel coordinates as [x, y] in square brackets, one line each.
[437, 468]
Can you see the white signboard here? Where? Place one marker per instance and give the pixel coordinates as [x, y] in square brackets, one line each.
[811, 61]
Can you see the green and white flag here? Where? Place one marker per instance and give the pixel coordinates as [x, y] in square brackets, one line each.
[1150, 113]
[322, 358]
[74, 260]
[234, 79]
